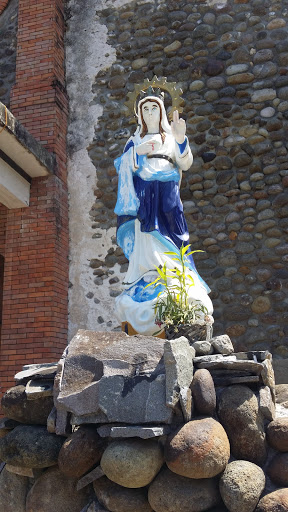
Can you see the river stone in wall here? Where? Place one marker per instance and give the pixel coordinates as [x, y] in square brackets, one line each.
[15, 405]
[238, 412]
[120, 499]
[111, 377]
[80, 452]
[31, 447]
[132, 463]
[13, 491]
[54, 492]
[199, 449]
[278, 469]
[203, 392]
[173, 493]
[277, 434]
[241, 486]
[276, 501]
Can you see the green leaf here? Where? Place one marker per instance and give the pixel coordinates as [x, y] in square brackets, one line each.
[183, 249]
[192, 252]
[171, 253]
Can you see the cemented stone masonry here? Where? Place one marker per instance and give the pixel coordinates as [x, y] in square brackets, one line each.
[231, 60]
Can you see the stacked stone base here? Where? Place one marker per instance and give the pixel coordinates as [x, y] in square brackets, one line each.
[222, 448]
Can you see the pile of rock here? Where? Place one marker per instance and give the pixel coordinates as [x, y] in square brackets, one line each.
[139, 424]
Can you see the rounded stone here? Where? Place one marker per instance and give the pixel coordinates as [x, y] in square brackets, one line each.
[173, 47]
[238, 411]
[139, 63]
[276, 23]
[16, 406]
[261, 305]
[278, 469]
[276, 501]
[277, 434]
[199, 449]
[80, 452]
[197, 85]
[31, 447]
[267, 112]
[241, 486]
[203, 392]
[173, 493]
[120, 499]
[236, 330]
[132, 463]
[216, 82]
[13, 491]
[54, 491]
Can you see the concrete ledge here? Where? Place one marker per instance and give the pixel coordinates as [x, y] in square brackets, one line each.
[21, 147]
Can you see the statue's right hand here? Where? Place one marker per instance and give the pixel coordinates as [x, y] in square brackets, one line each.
[148, 147]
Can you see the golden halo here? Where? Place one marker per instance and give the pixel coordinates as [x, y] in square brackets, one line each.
[171, 87]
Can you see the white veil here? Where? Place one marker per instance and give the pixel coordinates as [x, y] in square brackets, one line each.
[164, 121]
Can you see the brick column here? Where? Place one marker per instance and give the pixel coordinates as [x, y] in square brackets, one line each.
[3, 5]
[35, 307]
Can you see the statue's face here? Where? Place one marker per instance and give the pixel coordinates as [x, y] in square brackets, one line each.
[151, 115]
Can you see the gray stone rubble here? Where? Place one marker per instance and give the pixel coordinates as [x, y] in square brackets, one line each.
[203, 429]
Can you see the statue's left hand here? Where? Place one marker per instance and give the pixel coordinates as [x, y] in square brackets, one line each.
[178, 128]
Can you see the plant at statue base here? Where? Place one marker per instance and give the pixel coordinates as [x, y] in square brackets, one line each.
[172, 309]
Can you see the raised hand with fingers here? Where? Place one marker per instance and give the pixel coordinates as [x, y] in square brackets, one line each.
[178, 128]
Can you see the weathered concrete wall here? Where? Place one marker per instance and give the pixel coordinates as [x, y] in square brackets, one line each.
[91, 305]
[231, 60]
[8, 36]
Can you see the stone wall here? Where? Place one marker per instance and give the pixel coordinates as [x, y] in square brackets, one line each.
[231, 60]
[140, 424]
[8, 34]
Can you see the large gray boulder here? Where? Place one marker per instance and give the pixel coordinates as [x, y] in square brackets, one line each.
[238, 411]
[53, 491]
[30, 447]
[173, 493]
[132, 463]
[120, 499]
[13, 492]
[199, 449]
[112, 377]
[241, 486]
[15, 405]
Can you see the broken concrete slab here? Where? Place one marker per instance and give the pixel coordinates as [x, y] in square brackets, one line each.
[229, 380]
[90, 477]
[51, 421]
[233, 364]
[268, 377]
[186, 403]
[39, 388]
[120, 378]
[222, 344]
[18, 470]
[178, 367]
[266, 404]
[46, 370]
[144, 432]
[202, 347]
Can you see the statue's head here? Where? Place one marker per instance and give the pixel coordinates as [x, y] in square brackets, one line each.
[152, 116]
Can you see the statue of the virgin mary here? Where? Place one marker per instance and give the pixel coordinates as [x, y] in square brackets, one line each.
[150, 214]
